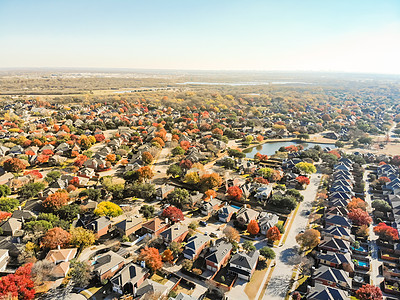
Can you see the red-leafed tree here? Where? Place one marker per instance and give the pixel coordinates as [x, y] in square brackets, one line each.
[18, 285]
[4, 215]
[34, 173]
[253, 227]
[56, 237]
[147, 157]
[29, 153]
[185, 145]
[261, 157]
[234, 192]
[360, 217]
[14, 165]
[386, 232]
[151, 257]
[56, 200]
[99, 137]
[42, 159]
[80, 160]
[74, 181]
[303, 180]
[173, 213]
[186, 164]
[383, 179]
[369, 292]
[273, 234]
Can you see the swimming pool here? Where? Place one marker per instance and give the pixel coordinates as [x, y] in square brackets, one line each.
[360, 249]
[362, 264]
[234, 206]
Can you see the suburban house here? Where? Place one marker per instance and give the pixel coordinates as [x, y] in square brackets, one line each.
[336, 220]
[175, 233]
[163, 191]
[336, 260]
[130, 225]
[334, 245]
[195, 245]
[155, 226]
[107, 265]
[338, 233]
[11, 227]
[263, 193]
[226, 212]
[100, 226]
[245, 215]
[218, 255]
[266, 221]
[332, 277]
[322, 292]
[208, 207]
[150, 288]
[4, 257]
[61, 255]
[244, 264]
[129, 279]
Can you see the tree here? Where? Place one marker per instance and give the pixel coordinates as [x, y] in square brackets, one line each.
[56, 237]
[209, 194]
[174, 170]
[306, 168]
[381, 205]
[80, 272]
[386, 232]
[81, 237]
[267, 252]
[144, 173]
[369, 292]
[4, 190]
[18, 285]
[167, 255]
[31, 190]
[309, 239]
[339, 144]
[192, 178]
[147, 157]
[173, 213]
[357, 203]
[14, 165]
[56, 200]
[143, 190]
[68, 212]
[4, 215]
[187, 264]
[303, 180]
[248, 246]
[38, 226]
[91, 194]
[147, 211]
[359, 217]
[111, 157]
[8, 204]
[151, 257]
[186, 164]
[109, 209]
[265, 172]
[363, 230]
[179, 197]
[235, 193]
[52, 176]
[80, 160]
[231, 234]
[273, 234]
[253, 227]
[177, 151]
[210, 181]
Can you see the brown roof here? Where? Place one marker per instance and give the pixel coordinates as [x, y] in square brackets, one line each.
[62, 254]
[155, 224]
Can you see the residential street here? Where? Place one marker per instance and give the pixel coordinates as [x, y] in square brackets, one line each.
[282, 273]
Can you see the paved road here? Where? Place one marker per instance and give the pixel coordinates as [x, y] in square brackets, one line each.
[282, 273]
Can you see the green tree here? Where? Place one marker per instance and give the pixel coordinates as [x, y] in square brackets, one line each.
[267, 252]
[381, 205]
[91, 194]
[248, 246]
[177, 151]
[8, 204]
[179, 197]
[68, 212]
[306, 168]
[147, 211]
[52, 176]
[4, 190]
[80, 273]
[174, 170]
[31, 190]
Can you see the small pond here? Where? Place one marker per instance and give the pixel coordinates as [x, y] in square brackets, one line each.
[270, 148]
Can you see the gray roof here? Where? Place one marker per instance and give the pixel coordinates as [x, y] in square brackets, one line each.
[219, 251]
[196, 242]
[174, 231]
[107, 261]
[322, 292]
[130, 273]
[332, 274]
[245, 259]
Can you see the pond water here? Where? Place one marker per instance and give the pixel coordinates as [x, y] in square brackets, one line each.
[270, 148]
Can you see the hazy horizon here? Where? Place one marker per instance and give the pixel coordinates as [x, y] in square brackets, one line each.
[289, 36]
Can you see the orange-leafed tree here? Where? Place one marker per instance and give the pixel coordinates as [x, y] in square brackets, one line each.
[56, 200]
[273, 234]
[209, 194]
[308, 239]
[80, 160]
[151, 257]
[48, 152]
[231, 234]
[4, 215]
[111, 157]
[253, 227]
[168, 255]
[99, 137]
[74, 181]
[56, 237]
[260, 138]
[14, 165]
[369, 292]
[147, 157]
[357, 203]
[159, 141]
[210, 181]
[235, 193]
[303, 180]
[42, 159]
[386, 232]
[144, 173]
[18, 285]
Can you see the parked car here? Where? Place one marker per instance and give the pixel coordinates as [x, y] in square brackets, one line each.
[203, 223]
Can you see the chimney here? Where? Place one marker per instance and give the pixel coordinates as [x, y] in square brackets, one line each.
[58, 247]
[78, 216]
[143, 264]
[19, 208]
[134, 291]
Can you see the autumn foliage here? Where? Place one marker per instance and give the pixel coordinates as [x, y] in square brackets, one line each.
[234, 192]
[18, 285]
[253, 227]
[145, 173]
[210, 181]
[56, 237]
[14, 165]
[209, 194]
[4, 215]
[386, 232]
[273, 234]
[167, 255]
[360, 217]
[151, 257]
[357, 203]
[173, 213]
[369, 292]
[303, 180]
[147, 157]
[56, 200]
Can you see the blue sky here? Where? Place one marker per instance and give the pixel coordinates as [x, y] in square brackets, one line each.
[348, 35]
